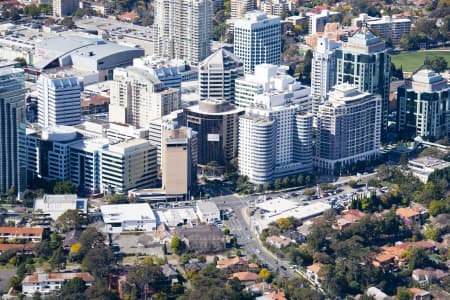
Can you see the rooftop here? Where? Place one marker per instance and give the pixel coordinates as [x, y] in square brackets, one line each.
[123, 212]
[37, 231]
[207, 207]
[44, 277]
[245, 276]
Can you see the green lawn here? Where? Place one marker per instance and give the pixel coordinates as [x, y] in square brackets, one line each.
[411, 61]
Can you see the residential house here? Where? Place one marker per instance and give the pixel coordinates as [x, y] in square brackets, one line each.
[279, 241]
[408, 216]
[21, 234]
[260, 288]
[278, 295]
[389, 257]
[170, 273]
[246, 278]
[348, 218]
[312, 272]
[162, 234]
[419, 294]
[235, 264]
[377, 294]
[428, 276]
[202, 239]
[46, 283]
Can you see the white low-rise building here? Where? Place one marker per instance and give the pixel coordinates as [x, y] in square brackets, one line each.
[46, 283]
[128, 217]
[207, 211]
[55, 205]
[423, 167]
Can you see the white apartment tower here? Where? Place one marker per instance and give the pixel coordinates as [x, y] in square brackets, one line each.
[12, 130]
[59, 101]
[349, 129]
[217, 75]
[274, 140]
[268, 79]
[240, 7]
[257, 39]
[183, 29]
[137, 97]
[323, 70]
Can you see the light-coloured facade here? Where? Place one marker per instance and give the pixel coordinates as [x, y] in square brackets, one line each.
[257, 39]
[423, 106]
[348, 130]
[172, 121]
[323, 70]
[217, 75]
[207, 211]
[364, 61]
[183, 29]
[128, 165]
[277, 7]
[59, 100]
[46, 283]
[274, 140]
[423, 167]
[48, 152]
[137, 97]
[128, 217]
[240, 7]
[54, 206]
[64, 8]
[12, 130]
[178, 161]
[386, 26]
[317, 22]
[268, 79]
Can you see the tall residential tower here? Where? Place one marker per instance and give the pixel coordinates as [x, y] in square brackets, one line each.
[183, 29]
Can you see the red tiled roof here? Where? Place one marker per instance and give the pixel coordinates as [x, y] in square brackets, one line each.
[232, 261]
[405, 212]
[245, 276]
[22, 230]
[17, 247]
[315, 268]
[58, 277]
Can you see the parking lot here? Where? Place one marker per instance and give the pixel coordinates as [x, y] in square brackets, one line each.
[135, 244]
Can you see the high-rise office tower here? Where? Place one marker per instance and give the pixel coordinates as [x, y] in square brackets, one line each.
[257, 39]
[323, 70]
[216, 122]
[349, 129]
[59, 101]
[240, 7]
[217, 75]
[364, 61]
[268, 80]
[423, 106]
[128, 165]
[179, 161]
[12, 130]
[274, 140]
[137, 97]
[183, 29]
[64, 8]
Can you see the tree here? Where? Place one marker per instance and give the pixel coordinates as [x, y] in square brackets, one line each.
[143, 276]
[58, 259]
[64, 187]
[300, 180]
[404, 160]
[431, 233]
[403, 294]
[264, 274]
[176, 245]
[436, 63]
[99, 291]
[437, 207]
[277, 184]
[305, 68]
[73, 288]
[285, 182]
[352, 183]
[70, 220]
[98, 261]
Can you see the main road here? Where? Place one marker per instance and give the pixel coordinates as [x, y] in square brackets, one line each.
[240, 226]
